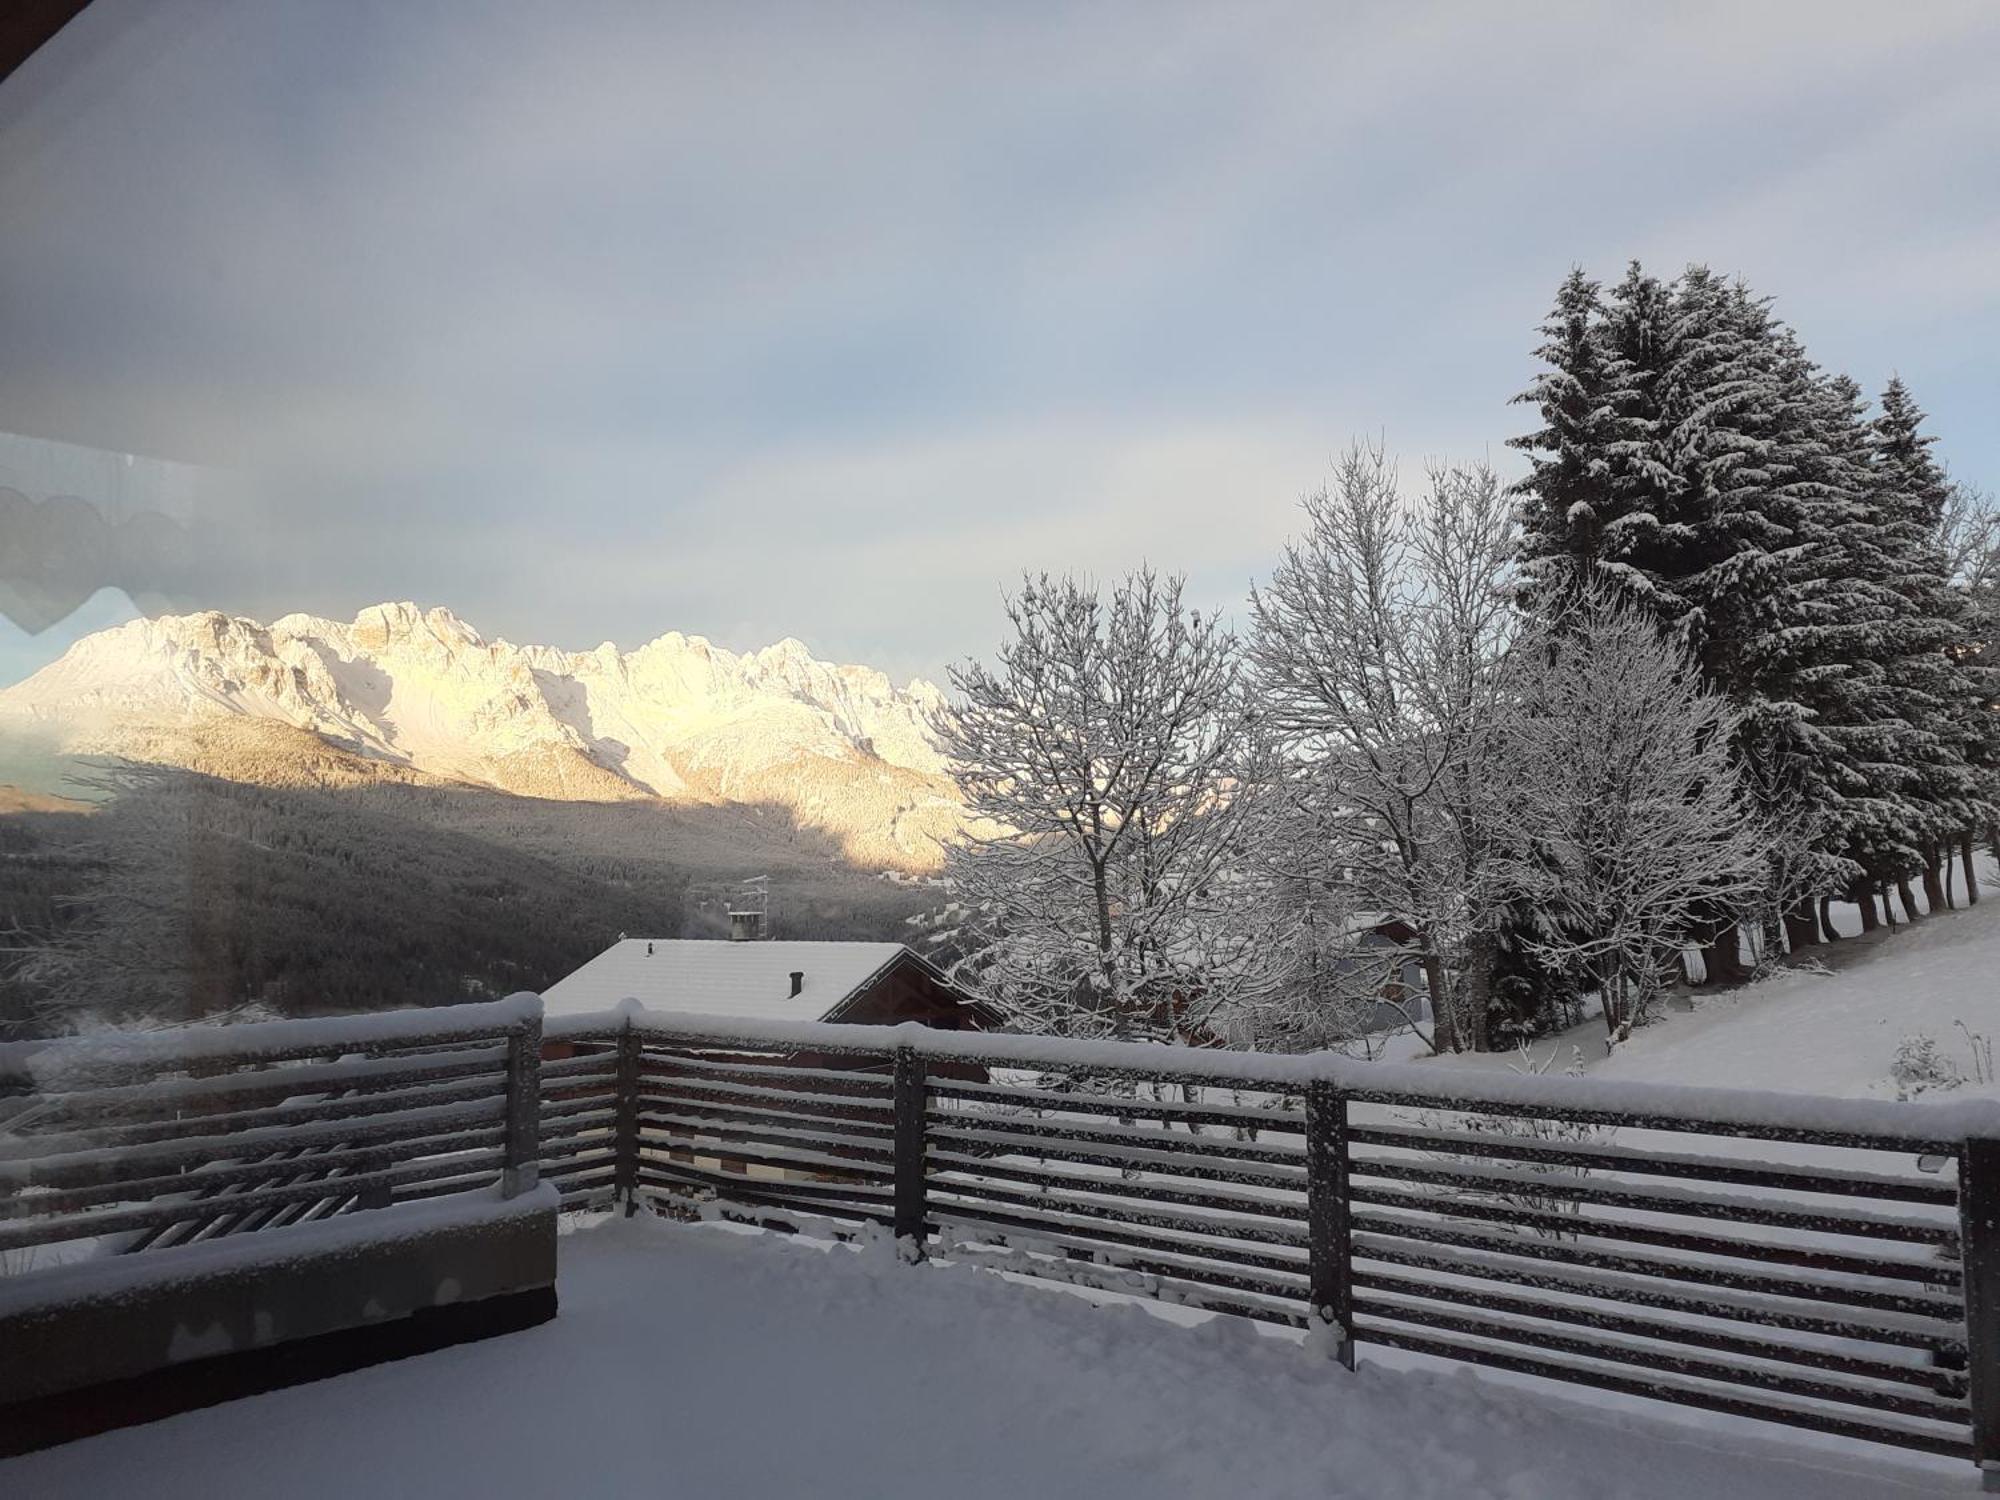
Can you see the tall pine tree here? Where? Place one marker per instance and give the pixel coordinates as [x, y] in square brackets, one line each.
[1694, 461]
[1565, 502]
[1938, 686]
[1842, 754]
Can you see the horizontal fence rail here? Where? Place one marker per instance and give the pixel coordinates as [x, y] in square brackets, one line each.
[1829, 1264]
[120, 1141]
[1823, 1263]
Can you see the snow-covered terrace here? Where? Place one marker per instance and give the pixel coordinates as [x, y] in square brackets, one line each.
[710, 1361]
[717, 1360]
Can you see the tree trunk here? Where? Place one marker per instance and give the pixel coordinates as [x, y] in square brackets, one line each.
[1801, 925]
[1934, 896]
[1646, 991]
[1107, 967]
[1828, 932]
[1909, 899]
[1773, 928]
[1722, 955]
[1864, 897]
[1444, 1025]
[1477, 992]
[1611, 998]
[1971, 874]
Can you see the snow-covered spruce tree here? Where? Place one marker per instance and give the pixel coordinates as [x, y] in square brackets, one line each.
[1639, 525]
[1692, 480]
[1103, 758]
[1568, 498]
[1736, 444]
[1537, 988]
[1739, 505]
[1829, 762]
[1377, 648]
[1940, 686]
[1970, 537]
[1624, 801]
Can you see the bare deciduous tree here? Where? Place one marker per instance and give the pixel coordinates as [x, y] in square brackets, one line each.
[1103, 758]
[1379, 648]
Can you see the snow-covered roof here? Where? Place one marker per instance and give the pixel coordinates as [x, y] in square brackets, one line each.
[715, 977]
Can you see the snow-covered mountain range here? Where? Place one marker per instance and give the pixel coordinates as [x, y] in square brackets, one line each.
[403, 691]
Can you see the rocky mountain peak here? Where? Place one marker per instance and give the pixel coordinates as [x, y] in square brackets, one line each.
[421, 690]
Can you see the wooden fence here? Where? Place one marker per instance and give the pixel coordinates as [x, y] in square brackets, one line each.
[258, 1184]
[1827, 1264]
[149, 1140]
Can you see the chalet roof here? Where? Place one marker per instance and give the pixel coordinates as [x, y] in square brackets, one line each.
[720, 978]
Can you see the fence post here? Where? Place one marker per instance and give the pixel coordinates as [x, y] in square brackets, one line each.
[1327, 1233]
[1979, 1257]
[625, 1135]
[910, 1094]
[521, 1154]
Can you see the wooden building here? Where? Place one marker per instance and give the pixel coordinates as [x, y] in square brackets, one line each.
[868, 984]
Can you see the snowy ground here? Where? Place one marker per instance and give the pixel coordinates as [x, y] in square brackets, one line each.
[1838, 1033]
[707, 1362]
[1824, 1033]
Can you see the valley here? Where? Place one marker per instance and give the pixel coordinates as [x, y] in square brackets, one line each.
[310, 816]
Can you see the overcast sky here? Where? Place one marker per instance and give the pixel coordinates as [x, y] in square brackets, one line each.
[592, 321]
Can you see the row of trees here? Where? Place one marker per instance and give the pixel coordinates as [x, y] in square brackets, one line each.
[1817, 562]
[1719, 657]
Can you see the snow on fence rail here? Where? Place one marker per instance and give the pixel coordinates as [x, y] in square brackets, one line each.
[129, 1141]
[1830, 1264]
[1825, 1263]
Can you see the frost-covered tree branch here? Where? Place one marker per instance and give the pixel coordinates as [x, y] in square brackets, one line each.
[1107, 758]
[1626, 816]
[1379, 647]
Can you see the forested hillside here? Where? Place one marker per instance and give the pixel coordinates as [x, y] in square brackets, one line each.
[187, 895]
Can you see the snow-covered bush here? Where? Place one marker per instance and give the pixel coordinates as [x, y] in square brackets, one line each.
[1629, 823]
[1922, 1067]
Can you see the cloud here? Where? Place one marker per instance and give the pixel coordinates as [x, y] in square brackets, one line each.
[608, 318]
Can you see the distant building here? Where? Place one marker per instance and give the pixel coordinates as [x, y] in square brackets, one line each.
[1385, 945]
[869, 984]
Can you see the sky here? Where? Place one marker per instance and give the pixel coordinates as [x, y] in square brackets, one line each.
[591, 321]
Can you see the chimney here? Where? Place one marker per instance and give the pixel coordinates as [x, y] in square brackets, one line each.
[798, 982]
